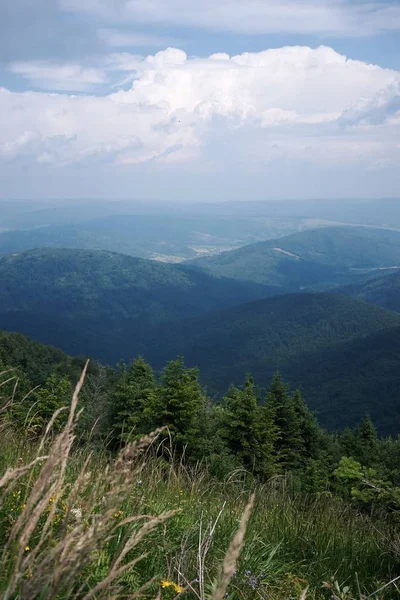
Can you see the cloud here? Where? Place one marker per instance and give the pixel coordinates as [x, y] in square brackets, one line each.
[122, 39]
[383, 107]
[338, 18]
[291, 106]
[52, 76]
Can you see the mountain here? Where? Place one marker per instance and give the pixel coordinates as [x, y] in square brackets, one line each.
[35, 360]
[382, 212]
[164, 237]
[344, 382]
[84, 301]
[319, 342]
[383, 291]
[318, 258]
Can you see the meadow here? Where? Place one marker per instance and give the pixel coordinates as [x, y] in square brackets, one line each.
[78, 522]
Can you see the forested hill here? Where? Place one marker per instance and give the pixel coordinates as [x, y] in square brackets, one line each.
[383, 291]
[36, 361]
[343, 354]
[318, 258]
[80, 300]
[293, 334]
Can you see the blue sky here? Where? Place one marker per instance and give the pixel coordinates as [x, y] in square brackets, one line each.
[188, 100]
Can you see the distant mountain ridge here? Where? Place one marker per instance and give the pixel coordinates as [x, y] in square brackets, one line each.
[317, 258]
[383, 291]
[312, 339]
[84, 298]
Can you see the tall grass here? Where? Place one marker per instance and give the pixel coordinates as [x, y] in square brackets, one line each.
[76, 524]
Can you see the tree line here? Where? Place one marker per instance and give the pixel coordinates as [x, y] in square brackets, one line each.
[263, 434]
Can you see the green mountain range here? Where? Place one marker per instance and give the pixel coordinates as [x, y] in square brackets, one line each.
[334, 348]
[84, 301]
[342, 351]
[318, 258]
[383, 291]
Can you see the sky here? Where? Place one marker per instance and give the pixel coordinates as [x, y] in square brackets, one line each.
[188, 101]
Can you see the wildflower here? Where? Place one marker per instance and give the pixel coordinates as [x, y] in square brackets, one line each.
[27, 548]
[165, 583]
[118, 514]
[77, 513]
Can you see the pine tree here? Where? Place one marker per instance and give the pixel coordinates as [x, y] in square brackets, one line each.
[289, 445]
[309, 429]
[249, 429]
[178, 405]
[132, 400]
[367, 442]
[54, 395]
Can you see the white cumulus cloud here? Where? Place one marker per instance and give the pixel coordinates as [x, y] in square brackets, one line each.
[54, 76]
[292, 103]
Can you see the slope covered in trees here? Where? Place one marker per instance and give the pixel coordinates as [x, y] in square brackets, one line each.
[172, 236]
[84, 301]
[319, 258]
[383, 291]
[307, 337]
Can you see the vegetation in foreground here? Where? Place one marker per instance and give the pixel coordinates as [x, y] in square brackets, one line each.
[146, 523]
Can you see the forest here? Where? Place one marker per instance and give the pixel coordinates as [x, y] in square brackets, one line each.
[328, 503]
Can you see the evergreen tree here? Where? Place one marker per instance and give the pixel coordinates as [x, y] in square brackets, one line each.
[309, 429]
[367, 438]
[132, 400]
[40, 407]
[289, 446]
[178, 405]
[249, 429]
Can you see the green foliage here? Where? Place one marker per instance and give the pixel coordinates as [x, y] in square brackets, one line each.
[249, 429]
[365, 488]
[342, 353]
[132, 401]
[290, 446]
[178, 405]
[36, 410]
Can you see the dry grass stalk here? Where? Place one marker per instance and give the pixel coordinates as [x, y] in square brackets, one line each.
[233, 553]
[55, 563]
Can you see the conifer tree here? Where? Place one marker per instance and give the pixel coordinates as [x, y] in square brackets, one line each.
[178, 405]
[240, 409]
[289, 445]
[367, 438]
[309, 429]
[55, 394]
[249, 429]
[132, 400]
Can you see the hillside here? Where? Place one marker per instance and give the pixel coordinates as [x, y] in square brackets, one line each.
[383, 291]
[297, 335]
[343, 382]
[82, 301]
[35, 360]
[165, 237]
[318, 258]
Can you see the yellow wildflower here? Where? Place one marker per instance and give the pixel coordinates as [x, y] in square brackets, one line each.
[118, 514]
[26, 548]
[165, 583]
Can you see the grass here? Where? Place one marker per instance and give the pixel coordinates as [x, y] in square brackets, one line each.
[76, 524]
